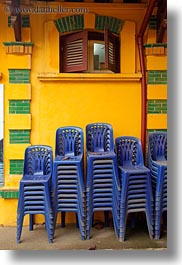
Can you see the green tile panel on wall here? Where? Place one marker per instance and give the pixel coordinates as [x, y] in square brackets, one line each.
[25, 21]
[9, 194]
[19, 136]
[70, 23]
[157, 77]
[19, 76]
[18, 43]
[157, 106]
[115, 25]
[16, 166]
[157, 130]
[151, 45]
[153, 22]
[19, 106]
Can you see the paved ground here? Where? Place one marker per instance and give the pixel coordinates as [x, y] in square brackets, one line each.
[68, 238]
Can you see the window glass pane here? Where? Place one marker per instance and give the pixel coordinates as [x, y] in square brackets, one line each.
[99, 56]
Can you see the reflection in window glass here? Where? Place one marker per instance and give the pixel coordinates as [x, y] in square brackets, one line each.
[99, 56]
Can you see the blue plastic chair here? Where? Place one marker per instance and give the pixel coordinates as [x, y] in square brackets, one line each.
[34, 191]
[102, 183]
[136, 188]
[68, 181]
[157, 162]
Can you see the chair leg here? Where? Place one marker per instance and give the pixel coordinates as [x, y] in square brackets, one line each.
[49, 226]
[31, 222]
[89, 223]
[20, 217]
[63, 217]
[77, 224]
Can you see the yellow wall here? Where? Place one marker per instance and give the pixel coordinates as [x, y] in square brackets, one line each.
[68, 99]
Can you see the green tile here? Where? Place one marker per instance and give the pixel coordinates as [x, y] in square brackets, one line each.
[9, 194]
[157, 77]
[152, 45]
[16, 167]
[19, 136]
[25, 21]
[114, 24]
[19, 76]
[157, 106]
[19, 106]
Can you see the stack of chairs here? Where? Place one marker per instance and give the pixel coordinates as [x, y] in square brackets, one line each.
[35, 188]
[68, 190]
[102, 183]
[136, 188]
[157, 162]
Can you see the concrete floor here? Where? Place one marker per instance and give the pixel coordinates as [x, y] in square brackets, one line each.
[68, 238]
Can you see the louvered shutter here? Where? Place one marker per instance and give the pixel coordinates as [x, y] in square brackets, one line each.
[112, 52]
[75, 52]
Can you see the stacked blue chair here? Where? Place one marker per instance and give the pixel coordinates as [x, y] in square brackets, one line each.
[157, 162]
[35, 188]
[102, 184]
[68, 181]
[136, 188]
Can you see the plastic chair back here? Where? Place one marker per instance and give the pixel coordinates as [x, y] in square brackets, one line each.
[99, 137]
[158, 145]
[38, 160]
[129, 151]
[69, 141]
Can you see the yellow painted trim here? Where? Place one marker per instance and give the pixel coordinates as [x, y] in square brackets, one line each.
[157, 91]
[17, 91]
[89, 77]
[157, 62]
[19, 61]
[157, 121]
[18, 121]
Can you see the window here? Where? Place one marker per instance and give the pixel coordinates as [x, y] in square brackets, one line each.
[86, 51]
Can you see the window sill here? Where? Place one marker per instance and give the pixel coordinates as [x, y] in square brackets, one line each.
[88, 77]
